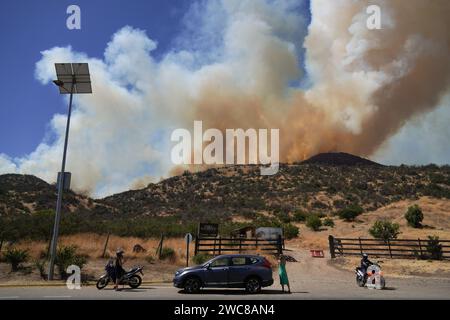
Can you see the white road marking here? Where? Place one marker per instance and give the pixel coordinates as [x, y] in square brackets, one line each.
[11, 297]
[53, 297]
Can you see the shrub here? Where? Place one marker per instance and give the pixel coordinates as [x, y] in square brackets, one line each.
[385, 230]
[290, 231]
[350, 213]
[40, 265]
[15, 257]
[299, 216]
[167, 253]
[200, 258]
[313, 222]
[66, 256]
[328, 222]
[414, 216]
[434, 248]
[284, 217]
[150, 259]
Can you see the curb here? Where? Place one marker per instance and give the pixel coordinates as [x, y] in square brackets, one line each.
[63, 284]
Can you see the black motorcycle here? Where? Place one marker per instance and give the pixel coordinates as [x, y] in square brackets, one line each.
[130, 278]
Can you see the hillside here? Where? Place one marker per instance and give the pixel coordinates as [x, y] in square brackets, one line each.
[339, 159]
[308, 187]
[240, 191]
[27, 194]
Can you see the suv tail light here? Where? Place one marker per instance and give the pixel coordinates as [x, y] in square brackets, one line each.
[267, 264]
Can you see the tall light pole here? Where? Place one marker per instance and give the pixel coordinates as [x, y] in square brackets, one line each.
[73, 78]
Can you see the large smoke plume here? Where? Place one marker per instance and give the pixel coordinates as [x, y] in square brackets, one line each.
[241, 64]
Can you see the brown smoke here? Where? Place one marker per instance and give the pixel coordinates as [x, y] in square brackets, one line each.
[367, 83]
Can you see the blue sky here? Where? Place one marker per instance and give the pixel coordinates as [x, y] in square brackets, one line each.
[29, 27]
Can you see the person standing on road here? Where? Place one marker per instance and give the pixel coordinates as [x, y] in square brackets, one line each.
[119, 268]
[283, 274]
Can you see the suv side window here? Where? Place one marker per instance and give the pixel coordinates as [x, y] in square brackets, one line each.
[238, 261]
[222, 262]
[252, 260]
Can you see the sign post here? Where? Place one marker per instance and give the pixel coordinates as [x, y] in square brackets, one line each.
[188, 238]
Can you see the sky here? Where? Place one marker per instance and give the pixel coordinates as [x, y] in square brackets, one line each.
[29, 27]
[309, 67]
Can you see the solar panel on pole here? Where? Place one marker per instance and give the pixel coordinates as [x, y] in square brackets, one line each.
[76, 74]
[73, 78]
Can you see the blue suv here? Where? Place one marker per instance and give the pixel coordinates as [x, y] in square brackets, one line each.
[251, 272]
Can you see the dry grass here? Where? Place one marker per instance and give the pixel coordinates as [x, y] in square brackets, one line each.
[436, 222]
[92, 245]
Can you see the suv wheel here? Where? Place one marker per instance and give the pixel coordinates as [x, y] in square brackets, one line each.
[192, 285]
[253, 285]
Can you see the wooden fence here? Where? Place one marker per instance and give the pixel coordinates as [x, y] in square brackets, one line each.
[396, 248]
[219, 245]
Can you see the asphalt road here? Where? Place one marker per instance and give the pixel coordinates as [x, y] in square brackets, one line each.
[310, 278]
[333, 289]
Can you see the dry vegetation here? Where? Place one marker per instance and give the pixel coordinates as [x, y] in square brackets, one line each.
[92, 245]
[436, 222]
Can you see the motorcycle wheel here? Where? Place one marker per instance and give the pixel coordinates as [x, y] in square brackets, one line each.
[134, 281]
[102, 282]
[383, 283]
[360, 281]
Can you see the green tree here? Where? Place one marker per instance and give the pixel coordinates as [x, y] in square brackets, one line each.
[385, 230]
[434, 248]
[350, 213]
[313, 222]
[414, 216]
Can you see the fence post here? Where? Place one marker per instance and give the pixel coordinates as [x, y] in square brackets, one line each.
[160, 246]
[331, 244]
[360, 245]
[196, 244]
[214, 249]
[106, 245]
[220, 245]
[280, 245]
[420, 248]
[240, 245]
[389, 246]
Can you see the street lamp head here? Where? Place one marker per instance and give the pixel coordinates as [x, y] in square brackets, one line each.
[59, 83]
